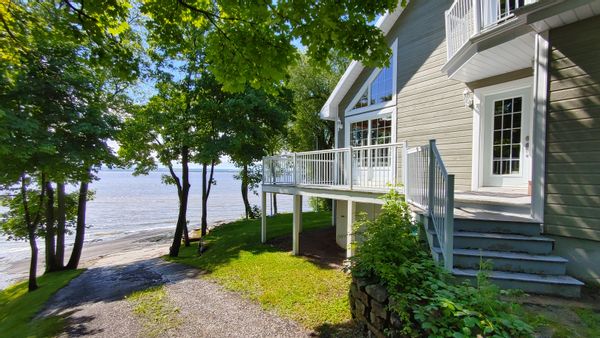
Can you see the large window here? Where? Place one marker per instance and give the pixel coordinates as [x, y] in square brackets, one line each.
[380, 90]
[372, 132]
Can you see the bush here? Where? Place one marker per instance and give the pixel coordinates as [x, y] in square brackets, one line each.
[320, 204]
[422, 295]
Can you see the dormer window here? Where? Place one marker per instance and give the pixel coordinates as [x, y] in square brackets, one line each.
[378, 90]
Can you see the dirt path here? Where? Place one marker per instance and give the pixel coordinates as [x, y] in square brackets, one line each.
[94, 302]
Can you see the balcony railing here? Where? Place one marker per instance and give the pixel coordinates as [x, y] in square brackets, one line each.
[420, 170]
[467, 18]
[354, 168]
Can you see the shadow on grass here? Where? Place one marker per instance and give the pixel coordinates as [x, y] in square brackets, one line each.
[349, 329]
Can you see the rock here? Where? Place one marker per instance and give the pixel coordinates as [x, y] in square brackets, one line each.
[353, 290]
[376, 322]
[379, 309]
[361, 308]
[361, 283]
[363, 297]
[378, 292]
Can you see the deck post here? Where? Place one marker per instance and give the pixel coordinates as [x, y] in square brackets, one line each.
[300, 213]
[263, 217]
[431, 182]
[405, 166]
[449, 226]
[349, 229]
[350, 165]
[333, 211]
[297, 203]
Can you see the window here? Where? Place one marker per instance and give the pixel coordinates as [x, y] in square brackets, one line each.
[506, 157]
[379, 89]
[372, 132]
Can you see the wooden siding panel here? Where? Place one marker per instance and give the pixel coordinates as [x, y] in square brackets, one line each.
[573, 135]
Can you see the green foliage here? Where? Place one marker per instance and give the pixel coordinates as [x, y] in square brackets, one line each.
[289, 285]
[319, 204]
[424, 297]
[311, 85]
[18, 307]
[251, 43]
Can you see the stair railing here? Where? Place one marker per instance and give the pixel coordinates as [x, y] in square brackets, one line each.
[431, 188]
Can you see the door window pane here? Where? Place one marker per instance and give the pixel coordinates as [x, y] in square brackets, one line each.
[506, 137]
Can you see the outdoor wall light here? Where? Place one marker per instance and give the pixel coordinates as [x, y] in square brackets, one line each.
[339, 124]
[468, 98]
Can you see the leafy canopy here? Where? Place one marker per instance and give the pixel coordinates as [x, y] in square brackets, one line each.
[251, 42]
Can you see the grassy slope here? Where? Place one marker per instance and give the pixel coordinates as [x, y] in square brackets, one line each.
[292, 286]
[18, 307]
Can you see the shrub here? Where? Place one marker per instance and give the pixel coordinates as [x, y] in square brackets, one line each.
[319, 204]
[422, 295]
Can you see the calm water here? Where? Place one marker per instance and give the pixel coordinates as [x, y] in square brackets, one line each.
[125, 203]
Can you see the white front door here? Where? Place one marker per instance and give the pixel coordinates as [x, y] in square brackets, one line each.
[507, 139]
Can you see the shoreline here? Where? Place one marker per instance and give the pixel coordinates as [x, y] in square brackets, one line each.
[17, 270]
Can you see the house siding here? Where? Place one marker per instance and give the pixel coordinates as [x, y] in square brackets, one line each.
[572, 206]
[429, 106]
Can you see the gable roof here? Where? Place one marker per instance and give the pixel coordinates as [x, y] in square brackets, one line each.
[329, 111]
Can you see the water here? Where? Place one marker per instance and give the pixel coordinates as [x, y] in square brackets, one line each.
[125, 204]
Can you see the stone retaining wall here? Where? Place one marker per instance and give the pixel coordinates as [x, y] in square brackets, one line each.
[368, 303]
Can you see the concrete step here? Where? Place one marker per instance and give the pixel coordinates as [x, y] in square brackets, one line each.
[496, 226]
[560, 285]
[508, 261]
[499, 242]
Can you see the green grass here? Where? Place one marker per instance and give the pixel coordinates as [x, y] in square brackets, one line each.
[19, 307]
[291, 286]
[157, 314]
[563, 321]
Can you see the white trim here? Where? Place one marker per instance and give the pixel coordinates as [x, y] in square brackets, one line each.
[478, 107]
[329, 111]
[367, 86]
[540, 95]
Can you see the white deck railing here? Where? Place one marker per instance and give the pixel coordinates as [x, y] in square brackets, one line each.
[421, 170]
[431, 188]
[467, 18]
[355, 168]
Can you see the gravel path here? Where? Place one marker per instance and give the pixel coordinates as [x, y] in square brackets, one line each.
[94, 303]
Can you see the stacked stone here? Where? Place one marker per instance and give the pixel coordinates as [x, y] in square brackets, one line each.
[369, 306]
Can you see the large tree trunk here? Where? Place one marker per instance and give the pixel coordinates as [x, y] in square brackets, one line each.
[183, 203]
[244, 189]
[206, 186]
[79, 227]
[186, 235]
[61, 223]
[50, 233]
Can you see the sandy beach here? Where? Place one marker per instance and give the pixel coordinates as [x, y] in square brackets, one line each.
[157, 239]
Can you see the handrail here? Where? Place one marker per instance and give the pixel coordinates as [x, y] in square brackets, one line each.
[431, 188]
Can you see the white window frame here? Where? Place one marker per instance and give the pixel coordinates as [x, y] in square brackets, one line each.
[391, 111]
[367, 86]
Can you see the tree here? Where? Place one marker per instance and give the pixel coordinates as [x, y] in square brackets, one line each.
[311, 85]
[255, 121]
[251, 43]
[60, 84]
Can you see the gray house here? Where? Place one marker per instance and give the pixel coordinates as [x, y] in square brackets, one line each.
[488, 117]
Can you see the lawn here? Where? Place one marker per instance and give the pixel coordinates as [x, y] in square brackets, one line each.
[295, 288]
[19, 307]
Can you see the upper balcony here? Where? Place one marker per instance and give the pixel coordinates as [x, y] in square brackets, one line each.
[487, 38]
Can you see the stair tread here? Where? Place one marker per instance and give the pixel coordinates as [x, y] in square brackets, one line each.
[506, 254]
[488, 216]
[495, 235]
[520, 276]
